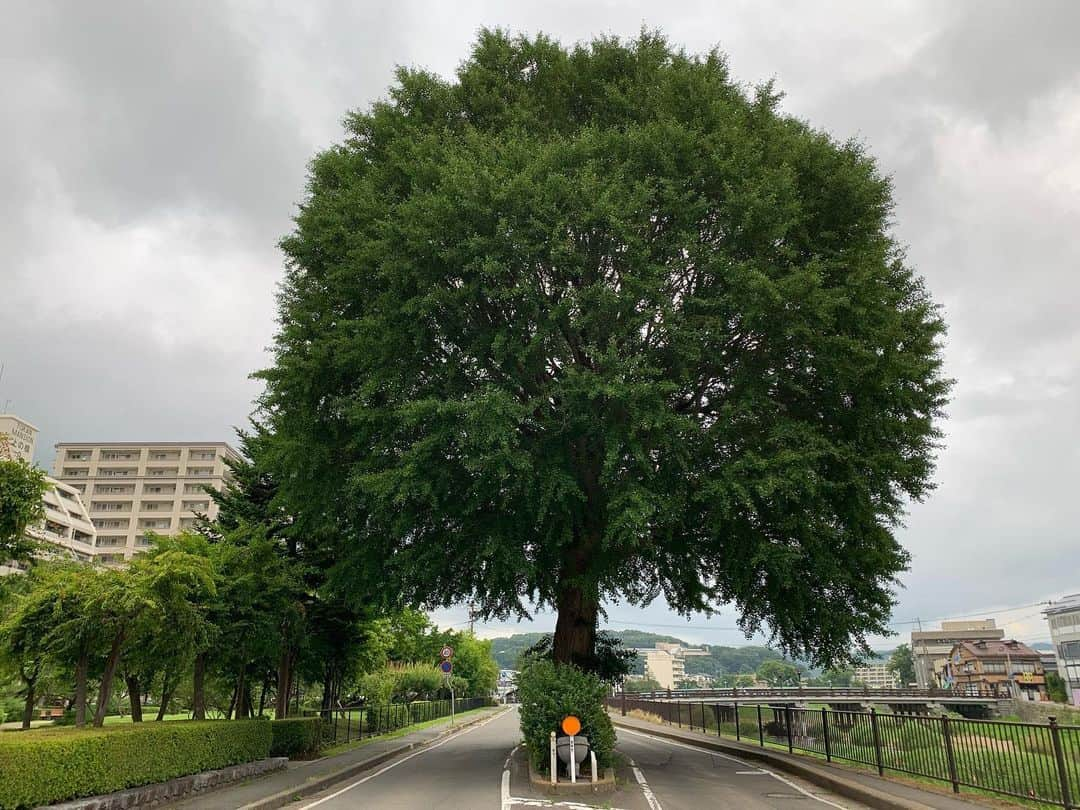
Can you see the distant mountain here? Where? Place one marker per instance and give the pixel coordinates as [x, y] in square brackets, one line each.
[719, 661]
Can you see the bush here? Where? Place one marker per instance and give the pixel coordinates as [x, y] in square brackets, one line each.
[549, 692]
[52, 765]
[296, 737]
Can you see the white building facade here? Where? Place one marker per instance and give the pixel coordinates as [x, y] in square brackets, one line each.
[1063, 616]
[66, 531]
[135, 488]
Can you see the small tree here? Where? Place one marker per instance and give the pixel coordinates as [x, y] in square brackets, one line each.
[1056, 689]
[21, 506]
[902, 663]
[778, 673]
[24, 638]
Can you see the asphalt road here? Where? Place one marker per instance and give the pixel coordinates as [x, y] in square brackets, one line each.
[470, 770]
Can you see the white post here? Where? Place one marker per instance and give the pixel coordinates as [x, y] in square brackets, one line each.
[592, 761]
[451, 705]
[554, 761]
[573, 762]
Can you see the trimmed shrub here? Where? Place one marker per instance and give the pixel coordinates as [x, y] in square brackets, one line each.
[52, 765]
[296, 737]
[549, 692]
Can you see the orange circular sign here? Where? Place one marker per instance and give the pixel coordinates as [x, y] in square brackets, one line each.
[571, 725]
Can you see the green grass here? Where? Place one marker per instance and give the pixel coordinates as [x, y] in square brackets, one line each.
[1014, 759]
[342, 748]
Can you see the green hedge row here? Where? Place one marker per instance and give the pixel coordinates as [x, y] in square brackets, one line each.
[549, 692]
[296, 737]
[52, 765]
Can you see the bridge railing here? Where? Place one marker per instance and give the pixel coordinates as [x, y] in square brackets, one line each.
[798, 692]
[1032, 761]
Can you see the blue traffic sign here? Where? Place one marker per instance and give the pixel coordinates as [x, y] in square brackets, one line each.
[446, 667]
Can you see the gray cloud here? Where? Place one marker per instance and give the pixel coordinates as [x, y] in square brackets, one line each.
[154, 153]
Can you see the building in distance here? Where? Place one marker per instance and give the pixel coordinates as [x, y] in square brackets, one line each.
[1001, 669]
[876, 676]
[931, 649]
[17, 438]
[134, 488]
[666, 662]
[1063, 616]
[66, 530]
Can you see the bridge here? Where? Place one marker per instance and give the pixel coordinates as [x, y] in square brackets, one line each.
[901, 699]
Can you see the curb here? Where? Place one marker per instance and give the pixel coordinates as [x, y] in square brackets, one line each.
[833, 782]
[286, 797]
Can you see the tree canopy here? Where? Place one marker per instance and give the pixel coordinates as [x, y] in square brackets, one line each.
[597, 323]
[902, 662]
[21, 489]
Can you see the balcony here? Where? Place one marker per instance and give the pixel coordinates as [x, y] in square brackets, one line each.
[162, 472]
[75, 472]
[116, 472]
[200, 472]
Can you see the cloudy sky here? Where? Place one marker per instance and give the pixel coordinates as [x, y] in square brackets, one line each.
[152, 155]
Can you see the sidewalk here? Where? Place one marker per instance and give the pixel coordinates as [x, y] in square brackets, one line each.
[303, 778]
[867, 788]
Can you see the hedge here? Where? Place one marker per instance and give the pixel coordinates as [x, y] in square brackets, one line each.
[548, 692]
[53, 765]
[296, 737]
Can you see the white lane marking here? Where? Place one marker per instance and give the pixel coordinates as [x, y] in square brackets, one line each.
[507, 802]
[774, 775]
[650, 797]
[397, 762]
[751, 773]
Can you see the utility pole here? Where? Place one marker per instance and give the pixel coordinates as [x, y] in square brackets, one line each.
[472, 617]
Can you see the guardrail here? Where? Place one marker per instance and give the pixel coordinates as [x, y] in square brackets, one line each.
[348, 723]
[1032, 761]
[800, 692]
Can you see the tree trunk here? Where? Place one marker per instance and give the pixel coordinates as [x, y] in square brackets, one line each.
[262, 693]
[241, 694]
[28, 707]
[198, 699]
[168, 686]
[105, 692]
[284, 678]
[575, 628]
[135, 696]
[328, 689]
[81, 668]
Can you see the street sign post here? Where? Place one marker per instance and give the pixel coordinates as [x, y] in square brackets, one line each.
[446, 667]
[447, 651]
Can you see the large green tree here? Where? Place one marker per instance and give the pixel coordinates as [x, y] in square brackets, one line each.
[597, 323]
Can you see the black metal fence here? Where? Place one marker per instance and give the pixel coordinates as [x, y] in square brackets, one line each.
[349, 723]
[1033, 761]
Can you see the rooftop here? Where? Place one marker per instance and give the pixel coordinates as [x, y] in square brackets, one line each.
[1066, 604]
[998, 649]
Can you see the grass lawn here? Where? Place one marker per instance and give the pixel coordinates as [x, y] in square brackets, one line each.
[341, 748]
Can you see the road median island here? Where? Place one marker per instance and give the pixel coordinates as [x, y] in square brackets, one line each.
[872, 791]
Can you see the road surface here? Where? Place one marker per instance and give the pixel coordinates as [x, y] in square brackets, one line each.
[471, 770]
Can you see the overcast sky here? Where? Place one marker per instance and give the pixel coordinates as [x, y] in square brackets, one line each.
[152, 155]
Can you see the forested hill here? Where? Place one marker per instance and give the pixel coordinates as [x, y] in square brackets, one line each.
[720, 661]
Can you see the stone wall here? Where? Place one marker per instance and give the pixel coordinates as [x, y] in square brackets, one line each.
[163, 792]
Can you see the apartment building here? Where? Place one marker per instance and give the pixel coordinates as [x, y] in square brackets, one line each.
[66, 531]
[1063, 616]
[876, 676]
[132, 488]
[931, 649]
[666, 663]
[17, 438]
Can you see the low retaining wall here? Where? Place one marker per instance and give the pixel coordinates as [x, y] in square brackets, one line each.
[162, 792]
